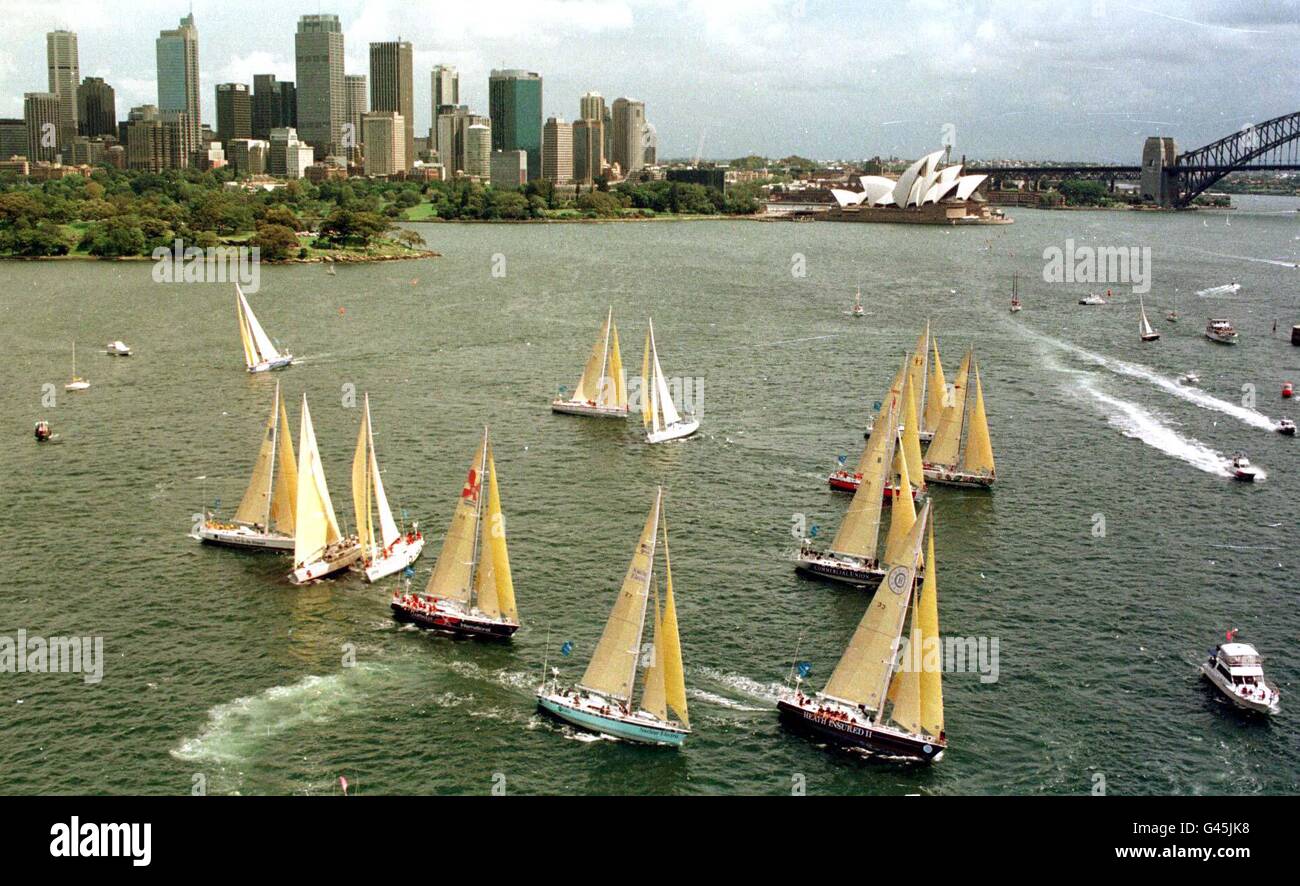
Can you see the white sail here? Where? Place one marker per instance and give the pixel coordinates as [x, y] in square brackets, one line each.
[1145, 327]
[316, 524]
[661, 399]
[264, 348]
[387, 526]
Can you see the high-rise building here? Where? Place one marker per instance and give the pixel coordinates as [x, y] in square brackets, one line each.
[41, 117]
[444, 90]
[515, 106]
[629, 134]
[13, 138]
[234, 112]
[178, 74]
[588, 150]
[180, 141]
[247, 156]
[64, 74]
[453, 126]
[287, 155]
[145, 148]
[322, 100]
[275, 105]
[392, 87]
[609, 136]
[557, 151]
[591, 106]
[384, 135]
[355, 107]
[96, 108]
[509, 169]
[478, 151]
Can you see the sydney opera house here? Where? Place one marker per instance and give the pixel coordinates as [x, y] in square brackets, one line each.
[926, 193]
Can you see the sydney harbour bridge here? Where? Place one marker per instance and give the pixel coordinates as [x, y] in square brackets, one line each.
[1174, 180]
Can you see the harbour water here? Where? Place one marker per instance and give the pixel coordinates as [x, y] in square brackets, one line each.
[219, 673]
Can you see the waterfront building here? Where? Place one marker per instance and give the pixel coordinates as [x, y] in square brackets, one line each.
[629, 135]
[392, 88]
[384, 135]
[926, 193]
[515, 106]
[588, 149]
[64, 73]
[478, 151]
[557, 151]
[453, 127]
[356, 105]
[41, 119]
[96, 108]
[234, 112]
[509, 169]
[178, 75]
[322, 100]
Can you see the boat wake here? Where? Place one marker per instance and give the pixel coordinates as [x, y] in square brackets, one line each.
[767, 693]
[1137, 423]
[1225, 289]
[1245, 415]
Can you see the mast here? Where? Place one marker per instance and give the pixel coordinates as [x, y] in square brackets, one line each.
[478, 522]
[649, 583]
[914, 545]
[275, 444]
[604, 355]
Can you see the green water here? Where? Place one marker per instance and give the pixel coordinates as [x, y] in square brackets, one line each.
[216, 666]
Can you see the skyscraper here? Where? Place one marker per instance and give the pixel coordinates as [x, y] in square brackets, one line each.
[65, 72]
[592, 106]
[392, 87]
[96, 108]
[41, 116]
[178, 74]
[318, 51]
[453, 127]
[275, 105]
[557, 151]
[478, 151]
[629, 134]
[588, 150]
[515, 106]
[355, 107]
[445, 88]
[384, 135]
[234, 112]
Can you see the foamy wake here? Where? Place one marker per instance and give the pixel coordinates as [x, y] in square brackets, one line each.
[751, 690]
[1139, 424]
[1245, 415]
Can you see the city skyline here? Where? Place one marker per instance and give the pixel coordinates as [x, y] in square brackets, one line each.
[775, 78]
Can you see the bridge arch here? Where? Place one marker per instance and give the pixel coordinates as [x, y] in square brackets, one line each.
[1199, 169]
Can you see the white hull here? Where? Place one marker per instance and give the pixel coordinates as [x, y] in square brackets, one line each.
[333, 561]
[1234, 695]
[1222, 339]
[244, 537]
[951, 477]
[77, 386]
[574, 407]
[676, 431]
[271, 365]
[403, 554]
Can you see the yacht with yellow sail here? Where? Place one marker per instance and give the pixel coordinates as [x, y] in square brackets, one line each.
[878, 700]
[471, 592]
[389, 549]
[961, 453]
[926, 377]
[319, 547]
[845, 480]
[602, 387]
[658, 412]
[264, 519]
[603, 701]
[851, 556]
[260, 353]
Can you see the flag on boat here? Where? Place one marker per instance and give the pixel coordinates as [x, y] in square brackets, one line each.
[842, 459]
[343, 783]
[812, 531]
[408, 572]
[566, 648]
[804, 668]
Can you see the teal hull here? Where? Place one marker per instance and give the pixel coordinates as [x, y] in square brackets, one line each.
[645, 734]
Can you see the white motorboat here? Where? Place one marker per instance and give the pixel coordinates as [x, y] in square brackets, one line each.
[1243, 470]
[1221, 331]
[1286, 427]
[1191, 379]
[117, 349]
[1237, 671]
[1092, 298]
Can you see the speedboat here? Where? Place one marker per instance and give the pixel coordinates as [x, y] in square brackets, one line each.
[43, 433]
[1092, 298]
[1243, 470]
[1221, 331]
[1286, 427]
[1190, 379]
[1237, 671]
[117, 349]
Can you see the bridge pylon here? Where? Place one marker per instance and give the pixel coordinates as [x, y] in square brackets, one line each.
[1159, 181]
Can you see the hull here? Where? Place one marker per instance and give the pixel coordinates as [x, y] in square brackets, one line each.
[272, 365]
[1244, 476]
[326, 566]
[244, 537]
[1152, 337]
[636, 729]
[844, 481]
[77, 386]
[948, 477]
[403, 554]
[677, 431]
[452, 623]
[573, 407]
[831, 569]
[1253, 705]
[925, 436]
[877, 739]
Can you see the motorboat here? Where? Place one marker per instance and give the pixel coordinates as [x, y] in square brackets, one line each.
[1237, 671]
[117, 349]
[1243, 470]
[1221, 331]
[1286, 427]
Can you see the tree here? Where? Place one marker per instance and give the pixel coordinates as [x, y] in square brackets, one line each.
[408, 238]
[276, 242]
[356, 228]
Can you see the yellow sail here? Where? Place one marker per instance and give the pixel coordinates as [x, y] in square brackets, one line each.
[652, 690]
[934, 393]
[284, 501]
[361, 485]
[452, 573]
[978, 457]
[862, 675]
[647, 390]
[612, 671]
[671, 642]
[614, 386]
[912, 438]
[905, 689]
[494, 587]
[245, 336]
[255, 506]
[902, 513]
[316, 525]
[946, 445]
[589, 383]
[917, 365]
[860, 531]
[927, 618]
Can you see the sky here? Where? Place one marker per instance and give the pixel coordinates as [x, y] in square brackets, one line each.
[1083, 80]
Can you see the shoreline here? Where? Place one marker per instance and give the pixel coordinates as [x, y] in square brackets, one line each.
[315, 260]
[577, 221]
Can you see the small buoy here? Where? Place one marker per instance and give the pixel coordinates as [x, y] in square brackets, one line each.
[342, 311]
[1287, 390]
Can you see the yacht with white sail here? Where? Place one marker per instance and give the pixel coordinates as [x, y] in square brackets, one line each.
[260, 353]
[390, 550]
[879, 700]
[962, 459]
[320, 548]
[658, 412]
[264, 519]
[603, 701]
[77, 383]
[602, 387]
[471, 592]
[1016, 304]
[857, 310]
[1145, 332]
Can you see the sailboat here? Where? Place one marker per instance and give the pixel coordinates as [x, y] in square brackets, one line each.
[264, 519]
[603, 700]
[851, 555]
[319, 547]
[1015, 294]
[954, 459]
[877, 700]
[471, 592]
[1172, 315]
[848, 481]
[858, 310]
[602, 387]
[78, 383]
[658, 412]
[1145, 332]
[391, 550]
[926, 375]
[260, 353]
